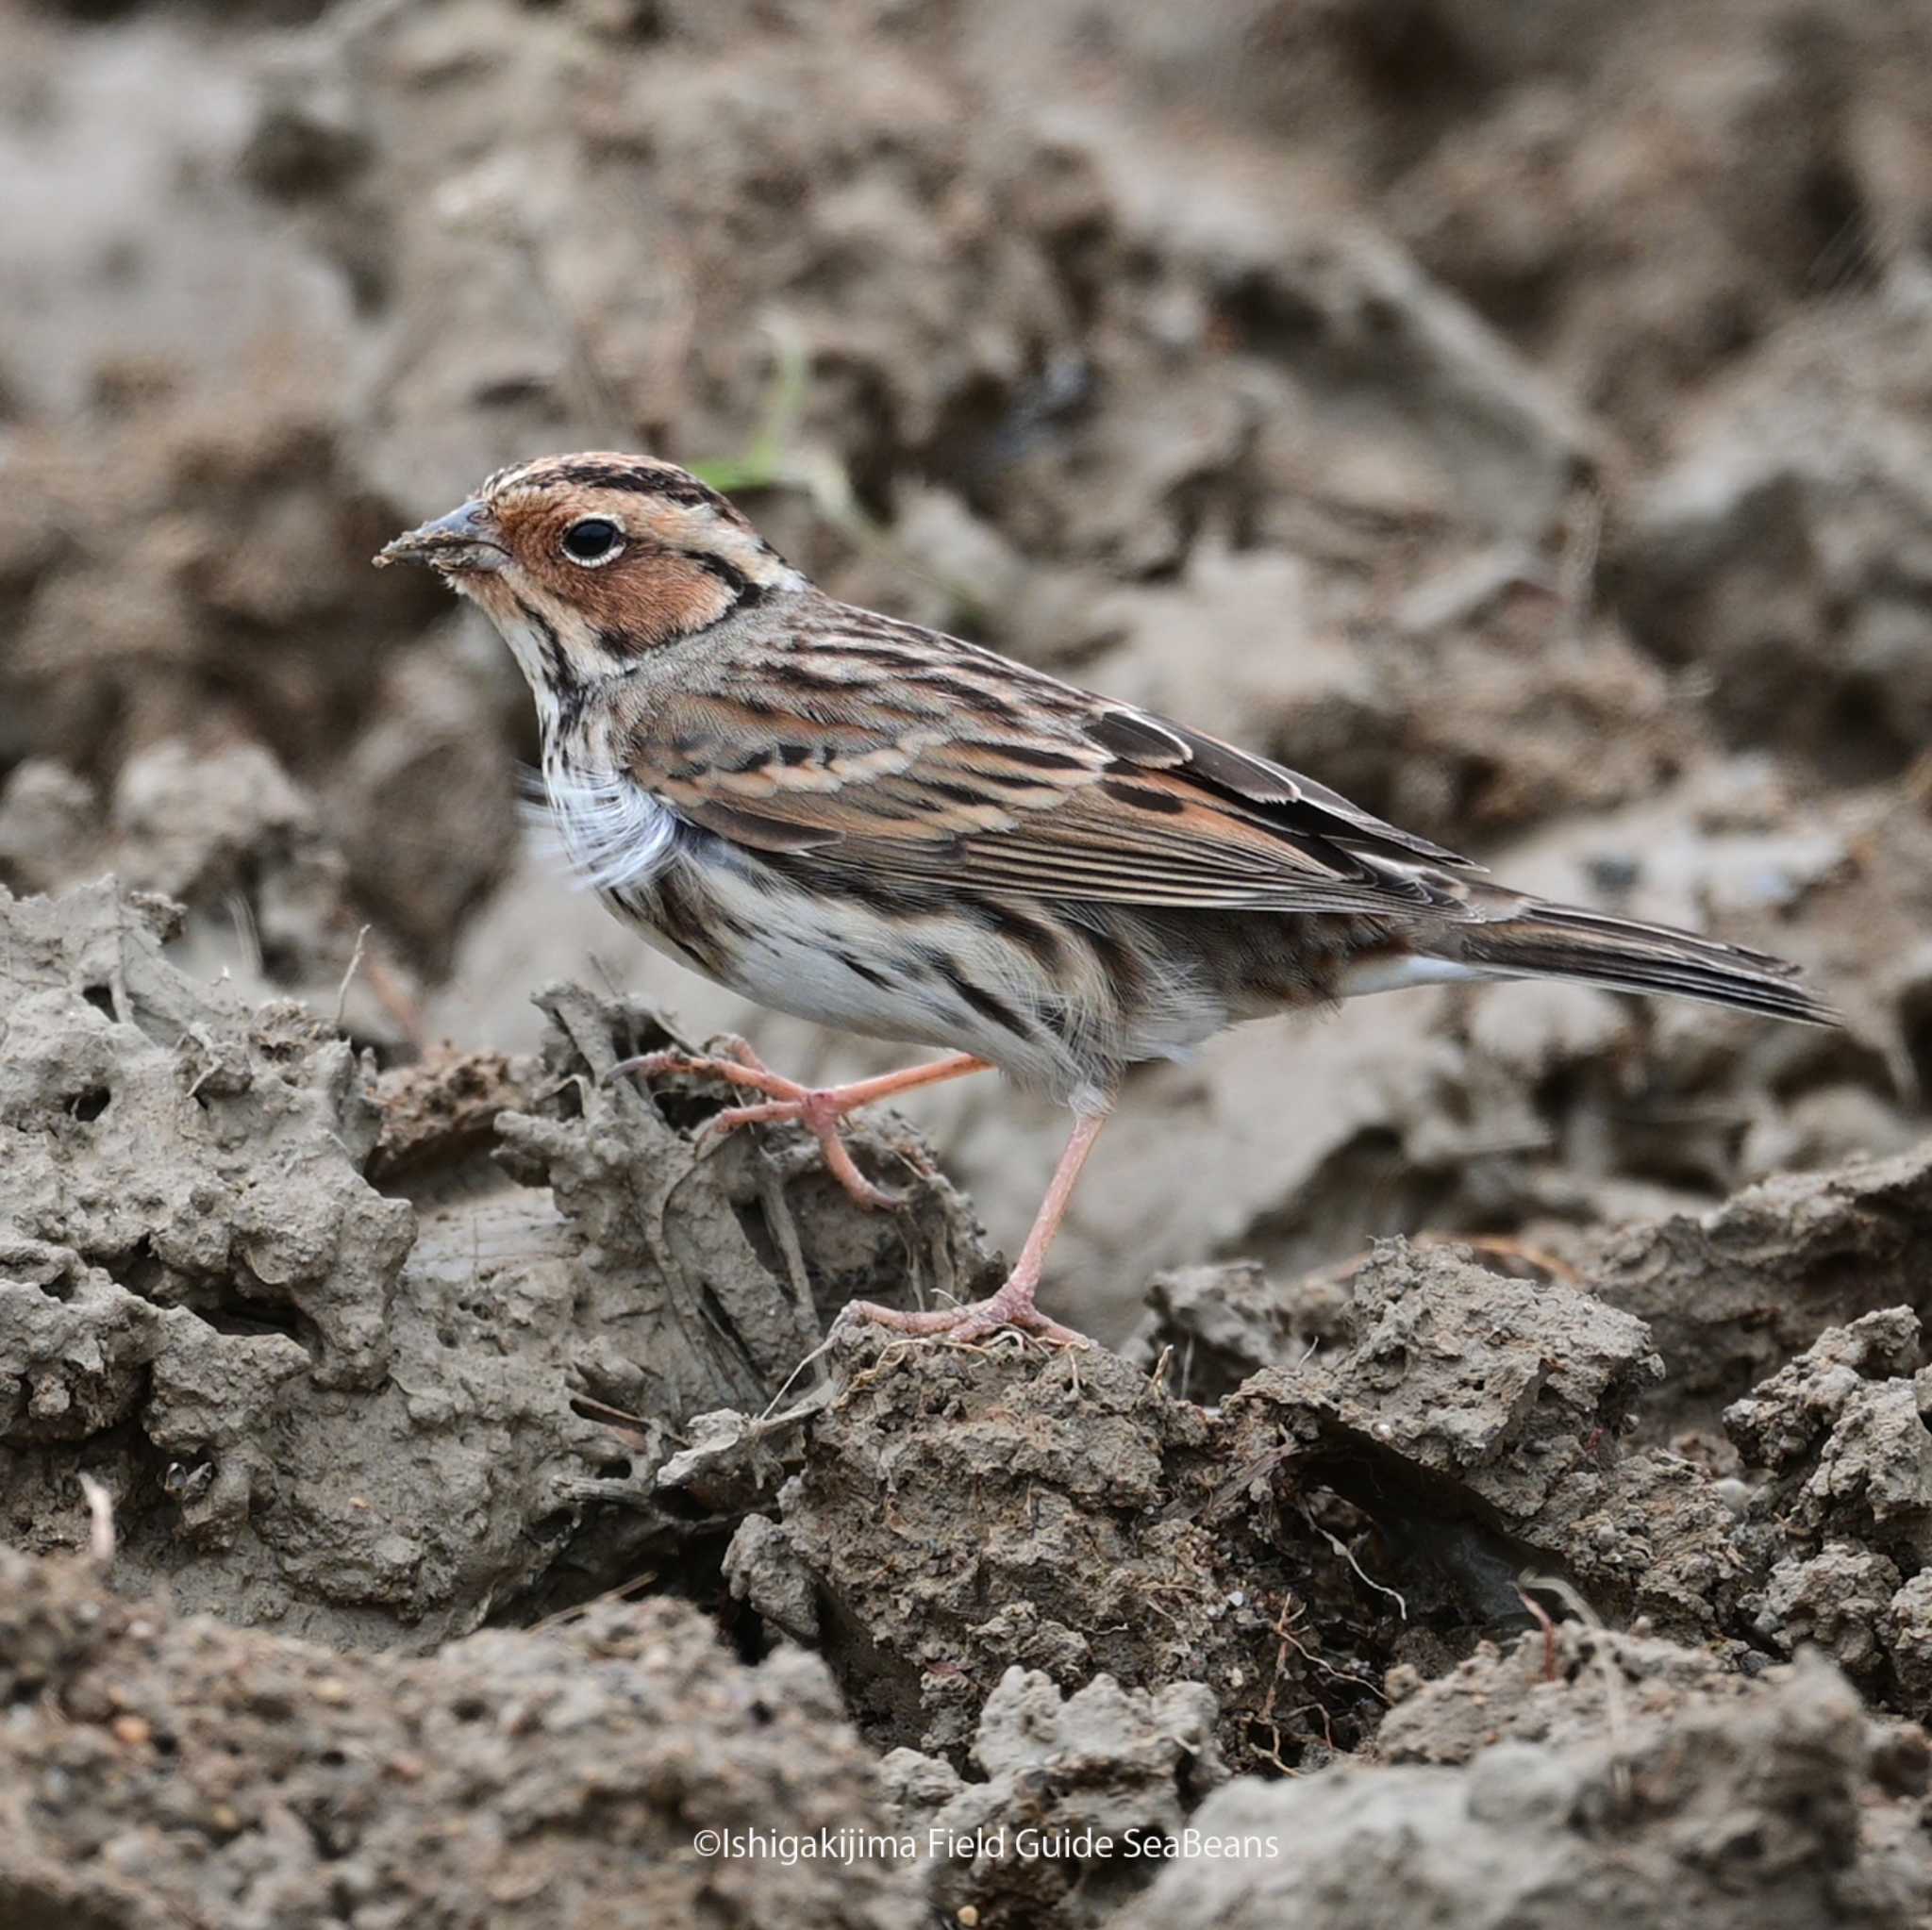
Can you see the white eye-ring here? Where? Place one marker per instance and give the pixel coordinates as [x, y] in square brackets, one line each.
[593, 542]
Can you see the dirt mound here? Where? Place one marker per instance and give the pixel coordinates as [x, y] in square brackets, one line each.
[294, 1386]
[163, 1769]
[1748, 1813]
[265, 1301]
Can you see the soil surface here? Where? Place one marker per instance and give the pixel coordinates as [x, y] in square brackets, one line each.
[432, 1488]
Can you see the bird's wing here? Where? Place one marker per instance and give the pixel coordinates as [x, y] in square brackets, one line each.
[907, 756]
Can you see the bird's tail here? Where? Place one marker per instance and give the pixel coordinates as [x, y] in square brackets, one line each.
[1533, 939]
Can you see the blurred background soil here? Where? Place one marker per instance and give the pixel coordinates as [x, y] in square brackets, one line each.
[1518, 415]
[1515, 416]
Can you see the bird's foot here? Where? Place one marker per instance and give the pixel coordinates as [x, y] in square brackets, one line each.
[818, 1109]
[1011, 1307]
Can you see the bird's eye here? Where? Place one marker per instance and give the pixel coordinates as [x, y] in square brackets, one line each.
[595, 539]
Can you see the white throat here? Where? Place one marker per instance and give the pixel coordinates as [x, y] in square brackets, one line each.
[618, 836]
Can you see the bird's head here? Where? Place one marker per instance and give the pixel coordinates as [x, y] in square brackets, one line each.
[587, 563]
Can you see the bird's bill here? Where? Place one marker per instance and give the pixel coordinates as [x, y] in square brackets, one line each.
[465, 540]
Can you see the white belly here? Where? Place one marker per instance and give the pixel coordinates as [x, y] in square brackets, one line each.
[849, 966]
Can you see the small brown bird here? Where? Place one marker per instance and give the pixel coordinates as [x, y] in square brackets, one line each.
[889, 830]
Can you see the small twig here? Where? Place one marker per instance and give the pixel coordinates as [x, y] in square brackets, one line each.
[816, 1354]
[100, 1510]
[1156, 1379]
[1548, 1625]
[1343, 1549]
[1576, 568]
[1327, 1727]
[1272, 1752]
[634, 1427]
[623, 1591]
[1283, 1627]
[247, 934]
[1606, 1667]
[349, 976]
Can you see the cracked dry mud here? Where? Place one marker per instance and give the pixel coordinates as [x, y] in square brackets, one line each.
[1511, 1491]
[348, 1413]
[353, 1383]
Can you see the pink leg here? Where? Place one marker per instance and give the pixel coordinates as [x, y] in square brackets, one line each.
[818, 1108]
[1012, 1305]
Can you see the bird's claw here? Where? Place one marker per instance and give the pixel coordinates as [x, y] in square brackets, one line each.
[1011, 1310]
[823, 1124]
[819, 1109]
